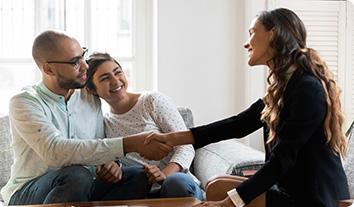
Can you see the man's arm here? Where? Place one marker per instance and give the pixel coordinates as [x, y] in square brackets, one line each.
[31, 123]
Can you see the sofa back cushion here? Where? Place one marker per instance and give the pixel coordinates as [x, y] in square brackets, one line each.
[6, 154]
[187, 116]
[349, 161]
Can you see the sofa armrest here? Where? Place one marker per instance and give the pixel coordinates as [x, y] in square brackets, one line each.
[216, 189]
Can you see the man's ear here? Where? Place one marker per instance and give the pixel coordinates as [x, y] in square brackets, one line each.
[47, 69]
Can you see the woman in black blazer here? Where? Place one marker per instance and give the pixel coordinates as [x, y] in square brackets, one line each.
[301, 116]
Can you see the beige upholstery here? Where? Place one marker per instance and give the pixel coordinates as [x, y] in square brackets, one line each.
[216, 189]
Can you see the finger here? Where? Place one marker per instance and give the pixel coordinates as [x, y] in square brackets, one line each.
[149, 137]
[115, 178]
[151, 179]
[153, 169]
[105, 168]
[156, 175]
[165, 147]
[107, 177]
[153, 172]
[162, 177]
[103, 172]
[113, 172]
[120, 175]
[109, 166]
[147, 168]
[159, 178]
[108, 174]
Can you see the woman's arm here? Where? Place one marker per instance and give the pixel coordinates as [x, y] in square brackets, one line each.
[306, 108]
[237, 126]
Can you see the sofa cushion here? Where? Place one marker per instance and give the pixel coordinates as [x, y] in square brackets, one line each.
[6, 153]
[223, 158]
[187, 116]
[349, 162]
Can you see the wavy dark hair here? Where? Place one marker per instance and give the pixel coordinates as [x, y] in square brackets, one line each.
[289, 46]
[94, 61]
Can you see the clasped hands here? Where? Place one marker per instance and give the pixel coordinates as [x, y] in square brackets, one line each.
[110, 172]
[162, 145]
[151, 145]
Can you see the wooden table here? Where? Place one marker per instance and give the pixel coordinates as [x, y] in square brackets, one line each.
[160, 202]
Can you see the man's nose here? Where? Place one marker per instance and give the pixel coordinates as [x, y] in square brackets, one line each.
[246, 45]
[84, 64]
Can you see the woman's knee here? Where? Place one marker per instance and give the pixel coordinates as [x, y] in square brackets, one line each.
[177, 180]
[180, 185]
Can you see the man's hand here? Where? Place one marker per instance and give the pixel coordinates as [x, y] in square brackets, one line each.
[154, 150]
[172, 138]
[154, 174]
[159, 137]
[110, 172]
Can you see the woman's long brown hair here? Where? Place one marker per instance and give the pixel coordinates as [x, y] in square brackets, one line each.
[289, 46]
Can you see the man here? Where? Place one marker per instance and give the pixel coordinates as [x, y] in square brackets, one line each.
[57, 134]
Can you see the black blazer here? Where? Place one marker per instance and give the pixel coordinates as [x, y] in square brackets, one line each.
[300, 162]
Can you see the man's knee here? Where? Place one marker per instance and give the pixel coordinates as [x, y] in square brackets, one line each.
[78, 179]
[77, 176]
[67, 184]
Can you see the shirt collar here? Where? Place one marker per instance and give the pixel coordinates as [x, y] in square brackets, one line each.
[44, 89]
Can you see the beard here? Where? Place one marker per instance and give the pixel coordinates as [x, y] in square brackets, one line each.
[70, 84]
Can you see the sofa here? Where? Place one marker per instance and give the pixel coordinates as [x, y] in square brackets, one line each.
[226, 157]
[222, 158]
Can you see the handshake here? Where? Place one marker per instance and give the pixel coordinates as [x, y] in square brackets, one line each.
[154, 145]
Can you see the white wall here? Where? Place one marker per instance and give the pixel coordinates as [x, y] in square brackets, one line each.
[198, 55]
[201, 62]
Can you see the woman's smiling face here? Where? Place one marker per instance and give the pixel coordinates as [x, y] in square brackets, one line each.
[110, 82]
[258, 44]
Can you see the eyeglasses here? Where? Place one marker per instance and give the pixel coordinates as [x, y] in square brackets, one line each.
[76, 62]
